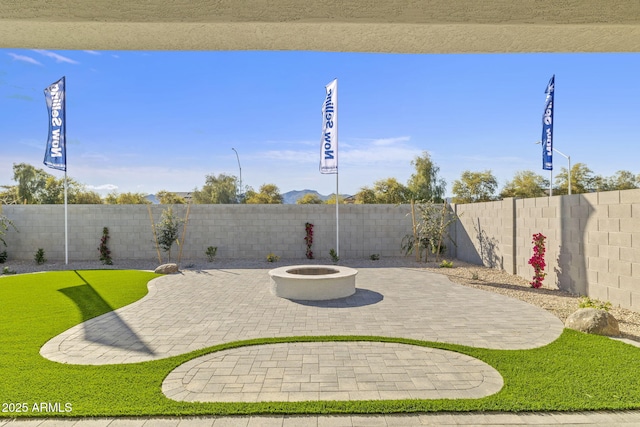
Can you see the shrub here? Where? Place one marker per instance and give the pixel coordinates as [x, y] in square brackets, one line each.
[105, 253]
[446, 264]
[39, 256]
[309, 239]
[374, 257]
[537, 260]
[211, 253]
[271, 257]
[3, 257]
[334, 256]
[586, 302]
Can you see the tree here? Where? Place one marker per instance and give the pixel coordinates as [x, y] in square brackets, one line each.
[384, 191]
[332, 199]
[221, 189]
[114, 198]
[9, 195]
[390, 191]
[622, 180]
[269, 194]
[425, 184]
[525, 184]
[366, 195]
[582, 180]
[475, 187]
[31, 183]
[310, 199]
[167, 230]
[87, 198]
[36, 186]
[169, 198]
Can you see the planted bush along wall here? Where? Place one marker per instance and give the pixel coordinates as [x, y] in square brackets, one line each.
[238, 231]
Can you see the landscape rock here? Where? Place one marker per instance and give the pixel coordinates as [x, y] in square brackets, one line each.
[167, 269]
[593, 321]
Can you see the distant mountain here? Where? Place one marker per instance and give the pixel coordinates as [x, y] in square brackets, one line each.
[290, 197]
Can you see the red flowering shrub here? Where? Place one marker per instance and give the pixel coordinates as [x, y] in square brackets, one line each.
[537, 260]
[309, 239]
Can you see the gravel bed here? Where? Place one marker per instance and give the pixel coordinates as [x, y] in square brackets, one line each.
[558, 302]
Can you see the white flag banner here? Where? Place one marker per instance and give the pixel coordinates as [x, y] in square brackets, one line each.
[329, 141]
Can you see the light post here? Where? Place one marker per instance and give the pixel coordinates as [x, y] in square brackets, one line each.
[568, 170]
[240, 168]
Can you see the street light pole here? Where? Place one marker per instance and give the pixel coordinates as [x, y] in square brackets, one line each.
[568, 170]
[239, 167]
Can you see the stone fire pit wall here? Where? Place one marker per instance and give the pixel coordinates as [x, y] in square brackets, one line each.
[313, 282]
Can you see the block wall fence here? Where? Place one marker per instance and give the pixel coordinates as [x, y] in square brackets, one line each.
[593, 240]
[238, 231]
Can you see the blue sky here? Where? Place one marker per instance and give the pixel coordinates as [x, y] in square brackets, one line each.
[148, 121]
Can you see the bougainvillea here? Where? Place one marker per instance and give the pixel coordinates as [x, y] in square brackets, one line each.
[309, 239]
[537, 260]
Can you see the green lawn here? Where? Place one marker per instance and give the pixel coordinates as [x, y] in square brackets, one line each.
[576, 372]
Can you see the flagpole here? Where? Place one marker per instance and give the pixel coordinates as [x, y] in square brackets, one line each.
[66, 234]
[337, 221]
[337, 192]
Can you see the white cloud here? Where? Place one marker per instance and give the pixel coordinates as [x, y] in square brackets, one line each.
[91, 52]
[23, 58]
[107, 187]
[57, 57]
[390, 141]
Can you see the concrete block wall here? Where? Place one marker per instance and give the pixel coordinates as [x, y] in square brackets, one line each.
[592, 246]
[484, 234]
[239, 231]
[593, 240]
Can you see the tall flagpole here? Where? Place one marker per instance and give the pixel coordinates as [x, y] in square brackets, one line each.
[337, 221]
[337, 192]
[66, 234]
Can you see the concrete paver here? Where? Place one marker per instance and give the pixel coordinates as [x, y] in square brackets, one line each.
[192, 310]
[331, 371]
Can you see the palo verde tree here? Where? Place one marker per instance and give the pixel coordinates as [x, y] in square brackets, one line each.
[115, 198]
[268, 194]
[582, 180]
[525, 184]
[384, 191]
[475, 187]
[169, 198]
[310, 199]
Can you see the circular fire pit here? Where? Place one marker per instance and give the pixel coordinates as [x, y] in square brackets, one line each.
[313, 282]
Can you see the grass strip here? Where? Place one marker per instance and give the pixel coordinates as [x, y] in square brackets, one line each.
[577, 372]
